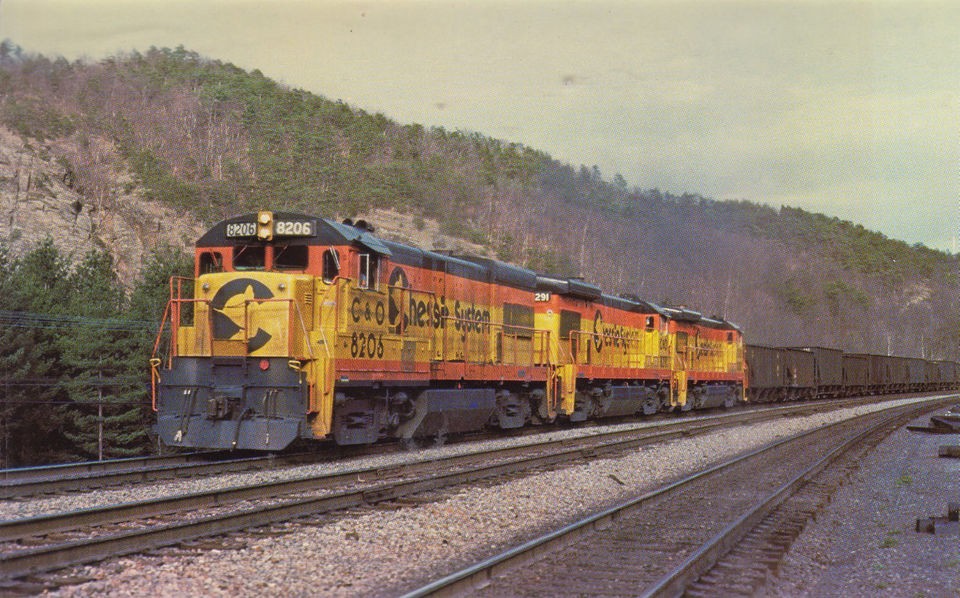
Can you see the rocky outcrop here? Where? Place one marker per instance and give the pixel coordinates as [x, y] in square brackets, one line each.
[40, 197]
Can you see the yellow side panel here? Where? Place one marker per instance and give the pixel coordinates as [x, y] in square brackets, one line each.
[568, 388]
[653, 354]
[186, 341]
[273, 319]
[666, 349]
[407, 323]
[232, 348]
[659, 353]
[320, 376]
[469, 336]
[548, 345]
[678, 394]
[321, 371]
[302, 318]
[194, 341]
[616, 345]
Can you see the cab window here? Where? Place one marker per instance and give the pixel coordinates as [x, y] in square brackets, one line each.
[331, 265]
[367, 275]
[249, 257]
[211, 261]
[290, 257]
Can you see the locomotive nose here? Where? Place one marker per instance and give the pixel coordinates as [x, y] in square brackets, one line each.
[232, 384]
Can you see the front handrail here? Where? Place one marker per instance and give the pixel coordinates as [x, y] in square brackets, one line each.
[295, 311]
[171, 319]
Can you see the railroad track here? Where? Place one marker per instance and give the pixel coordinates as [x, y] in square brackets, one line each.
[49, 542]
[20, 475]
[716, 532]
[91, 475]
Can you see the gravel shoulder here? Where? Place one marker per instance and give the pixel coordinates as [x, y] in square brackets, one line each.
[377, 552]
[865, 544]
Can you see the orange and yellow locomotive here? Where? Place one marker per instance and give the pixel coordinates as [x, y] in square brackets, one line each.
[299, 327]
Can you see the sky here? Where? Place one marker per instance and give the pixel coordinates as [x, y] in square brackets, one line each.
[849, 108]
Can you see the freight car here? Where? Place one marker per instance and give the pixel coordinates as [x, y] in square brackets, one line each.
[828, 371]
[948, 375]
[297, 327]
[780, 374]
[792, 373]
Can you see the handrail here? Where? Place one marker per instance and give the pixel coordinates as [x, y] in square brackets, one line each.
[172, 315]
[628, 352]
[540, 347]
[293, 303]
[173, 311]
[163, 322]
[629, 357]
[155, 364]
[539, 352]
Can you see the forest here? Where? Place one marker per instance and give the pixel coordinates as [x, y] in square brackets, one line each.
[211, 140]
[74, 349]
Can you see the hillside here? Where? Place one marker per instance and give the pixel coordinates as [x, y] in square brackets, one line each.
[134, 151]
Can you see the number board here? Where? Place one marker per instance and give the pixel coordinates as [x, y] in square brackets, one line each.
[242, 229]
[281, 228]
[293, 228]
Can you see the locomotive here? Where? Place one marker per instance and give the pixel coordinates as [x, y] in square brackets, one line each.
[295, 327]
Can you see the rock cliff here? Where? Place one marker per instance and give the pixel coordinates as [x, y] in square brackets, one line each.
[39, 198]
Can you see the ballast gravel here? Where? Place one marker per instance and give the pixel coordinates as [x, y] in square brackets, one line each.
[379, 552]
[34, 506]
[866, 543]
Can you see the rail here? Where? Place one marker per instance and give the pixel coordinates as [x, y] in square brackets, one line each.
[491, 343]
[480, 340]
[615, 350]
[88, 475]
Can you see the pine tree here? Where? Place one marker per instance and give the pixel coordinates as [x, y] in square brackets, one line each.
[74, 355]
[31, 424]
[104, 423]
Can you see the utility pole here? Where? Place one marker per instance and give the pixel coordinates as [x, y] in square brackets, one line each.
[100, 424]
[100, 414]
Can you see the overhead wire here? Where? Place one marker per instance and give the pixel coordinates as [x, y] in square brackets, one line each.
[22, 319]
